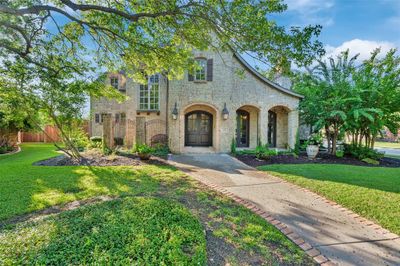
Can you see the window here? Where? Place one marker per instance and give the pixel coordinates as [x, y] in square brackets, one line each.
[200, 74]
[114, 82]
[149, 94]
[97, 118]
[102, 117]
[120, 117]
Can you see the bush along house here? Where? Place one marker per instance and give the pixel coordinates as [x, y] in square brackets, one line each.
[203, 112]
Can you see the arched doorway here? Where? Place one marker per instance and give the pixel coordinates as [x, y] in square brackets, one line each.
[271, 129]
[242, 128]
[198, 128]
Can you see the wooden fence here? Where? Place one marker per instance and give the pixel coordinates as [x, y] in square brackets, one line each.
[50, 134]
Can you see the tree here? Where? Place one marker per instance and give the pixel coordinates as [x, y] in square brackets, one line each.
[377, 86]
[359, 101]
[59, 97]
[146, 37]
[327, 89]
[13, 117]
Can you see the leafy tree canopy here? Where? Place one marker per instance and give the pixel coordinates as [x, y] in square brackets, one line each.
[150, 36]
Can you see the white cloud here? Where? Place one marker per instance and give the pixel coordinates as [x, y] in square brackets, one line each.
[312, 11]
[363, 47]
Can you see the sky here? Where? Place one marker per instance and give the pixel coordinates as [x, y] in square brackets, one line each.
[359, 25]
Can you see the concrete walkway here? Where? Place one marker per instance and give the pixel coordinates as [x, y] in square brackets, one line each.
[342, 238]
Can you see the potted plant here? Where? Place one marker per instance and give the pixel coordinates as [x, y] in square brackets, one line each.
[313, 143]
[144, 151]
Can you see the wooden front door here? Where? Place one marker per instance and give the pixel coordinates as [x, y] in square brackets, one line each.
[242, 128]
[198, 129]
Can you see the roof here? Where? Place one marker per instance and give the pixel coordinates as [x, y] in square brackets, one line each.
[264, 79]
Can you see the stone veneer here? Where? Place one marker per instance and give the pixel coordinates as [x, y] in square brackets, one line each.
[233, 83]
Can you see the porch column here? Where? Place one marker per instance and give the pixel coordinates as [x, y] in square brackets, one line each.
[293, 125]
[263, 126]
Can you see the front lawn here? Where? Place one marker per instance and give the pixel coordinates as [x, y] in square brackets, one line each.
[372, 192]
[390, 145]
[156, 216]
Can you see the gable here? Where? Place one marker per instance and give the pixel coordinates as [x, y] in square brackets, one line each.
[266, 81]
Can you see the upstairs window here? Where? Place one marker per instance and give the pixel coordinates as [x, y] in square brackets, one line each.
[204, 71]
[201, 71]
[149, 94]
[97, 118]
[114, 82]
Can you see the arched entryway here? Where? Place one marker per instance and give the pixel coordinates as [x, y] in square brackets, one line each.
[247, 129]
[242, 128]
[278, 127]
[272, 128]
[198, 129]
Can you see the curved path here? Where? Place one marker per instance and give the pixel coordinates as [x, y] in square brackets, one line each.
[337, 233]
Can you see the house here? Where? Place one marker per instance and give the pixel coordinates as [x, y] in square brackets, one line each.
[225, 100]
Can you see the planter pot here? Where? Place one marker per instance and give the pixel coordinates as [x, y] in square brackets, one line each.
[312, 151]
[144, 156]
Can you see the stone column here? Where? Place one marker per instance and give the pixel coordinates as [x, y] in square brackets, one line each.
[293, 125]
[108, 131]
[263, 126]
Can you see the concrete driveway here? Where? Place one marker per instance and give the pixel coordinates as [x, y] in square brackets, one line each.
[342, 238]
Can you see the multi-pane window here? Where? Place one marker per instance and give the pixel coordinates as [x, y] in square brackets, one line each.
[120, 117]
[97, 118]
[114, 82]
[201, 70]
[149, 94]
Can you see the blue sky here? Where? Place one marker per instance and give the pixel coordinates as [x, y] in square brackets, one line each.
[360, 25]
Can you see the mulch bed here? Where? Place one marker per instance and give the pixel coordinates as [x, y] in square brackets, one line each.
[96, 158]
[322, 158]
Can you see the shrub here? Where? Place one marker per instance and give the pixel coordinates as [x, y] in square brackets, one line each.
[161, 150]
[339, 154]
[95, 142]
[263, 152]
[233, 147]
[246, 152]
[79, 139]
[144, 149]
[362, 152]
[370, 161]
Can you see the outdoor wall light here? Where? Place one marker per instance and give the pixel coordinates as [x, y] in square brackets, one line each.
[225, 112]
[175, 112]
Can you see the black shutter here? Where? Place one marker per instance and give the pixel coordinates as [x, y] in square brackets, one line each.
[116, 118]
[96, 118]
[190, 77]
[209, 69]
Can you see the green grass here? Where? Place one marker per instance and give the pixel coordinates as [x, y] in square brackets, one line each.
[159, 217]
[110, 233]
[390, 145]
[392, 156]
[372, 192]
[26, 188]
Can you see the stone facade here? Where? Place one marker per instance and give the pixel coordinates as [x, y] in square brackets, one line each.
[234, 83]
